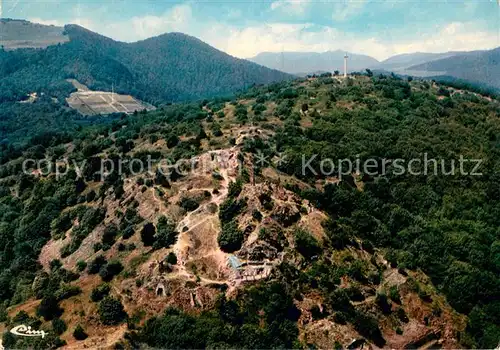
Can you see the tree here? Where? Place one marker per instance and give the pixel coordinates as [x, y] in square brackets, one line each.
[79, 333]
[49, 308]
[81, 265]
[59, 326]
[368, 327]
[172, 258]
[235, 188]
[96, 264]
[172, 141]
[189, 204]
[148, 234]
[111, 311]
[383, 302]
[306, 244]
[166, 235]
[99, 292]
[109, 236]
[231, 238]
[110, 270]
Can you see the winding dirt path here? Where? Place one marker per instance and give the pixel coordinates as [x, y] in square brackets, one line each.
[193, 219]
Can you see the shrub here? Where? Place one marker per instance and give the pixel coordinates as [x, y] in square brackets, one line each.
[340, 318]
[109, 236]
[128, 232]
[235, 189]
[96, 265]
[79, 333]
[424, 294]
[55, 265]
[257, 215]
[394, 294]
[354, 293]
[216, 130]
[59, 326]
[97, 246]
[110, 270]
[383, 303]
[111, 311]
[189, 204]
[99, 292]
[306, 244]
[90, 196]
[367, 326]
[339, 301]
[81, 265]
[172, 258]
[66, 291]
[401, 314]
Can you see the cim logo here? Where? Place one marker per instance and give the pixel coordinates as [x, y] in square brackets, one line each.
[26, 331]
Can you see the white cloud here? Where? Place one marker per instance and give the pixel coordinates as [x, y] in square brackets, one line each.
[234, 14]
[451, 37]
[342, 11]
[275, 37]
[290, 7]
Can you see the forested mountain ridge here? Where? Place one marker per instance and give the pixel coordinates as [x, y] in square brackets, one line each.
[170, 67]
[478, 66]
[142, 259]
[404, 61]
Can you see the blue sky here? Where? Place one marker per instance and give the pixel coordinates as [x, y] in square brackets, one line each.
[379, 28]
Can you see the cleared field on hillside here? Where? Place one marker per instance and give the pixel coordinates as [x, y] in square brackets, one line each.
[100, 102]
[17, 34]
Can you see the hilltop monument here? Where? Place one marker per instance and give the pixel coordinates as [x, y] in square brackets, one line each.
[345, 65]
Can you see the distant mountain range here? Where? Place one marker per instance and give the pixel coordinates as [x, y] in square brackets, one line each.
[480, 67]
[403, 61]
[170, 67]
[310, 62]
[477, 66]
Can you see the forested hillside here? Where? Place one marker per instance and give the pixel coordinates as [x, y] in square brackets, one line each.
[98, 258]
[481, 67]
[167, 68]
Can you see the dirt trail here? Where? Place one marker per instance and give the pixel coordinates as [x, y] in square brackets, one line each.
[225, 163]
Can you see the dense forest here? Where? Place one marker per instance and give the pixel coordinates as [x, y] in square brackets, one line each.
[445, 225]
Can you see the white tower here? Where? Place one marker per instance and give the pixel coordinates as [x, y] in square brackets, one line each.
[345, 65]
[282, 63]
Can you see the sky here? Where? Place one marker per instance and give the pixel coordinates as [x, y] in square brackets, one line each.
[243, 28]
